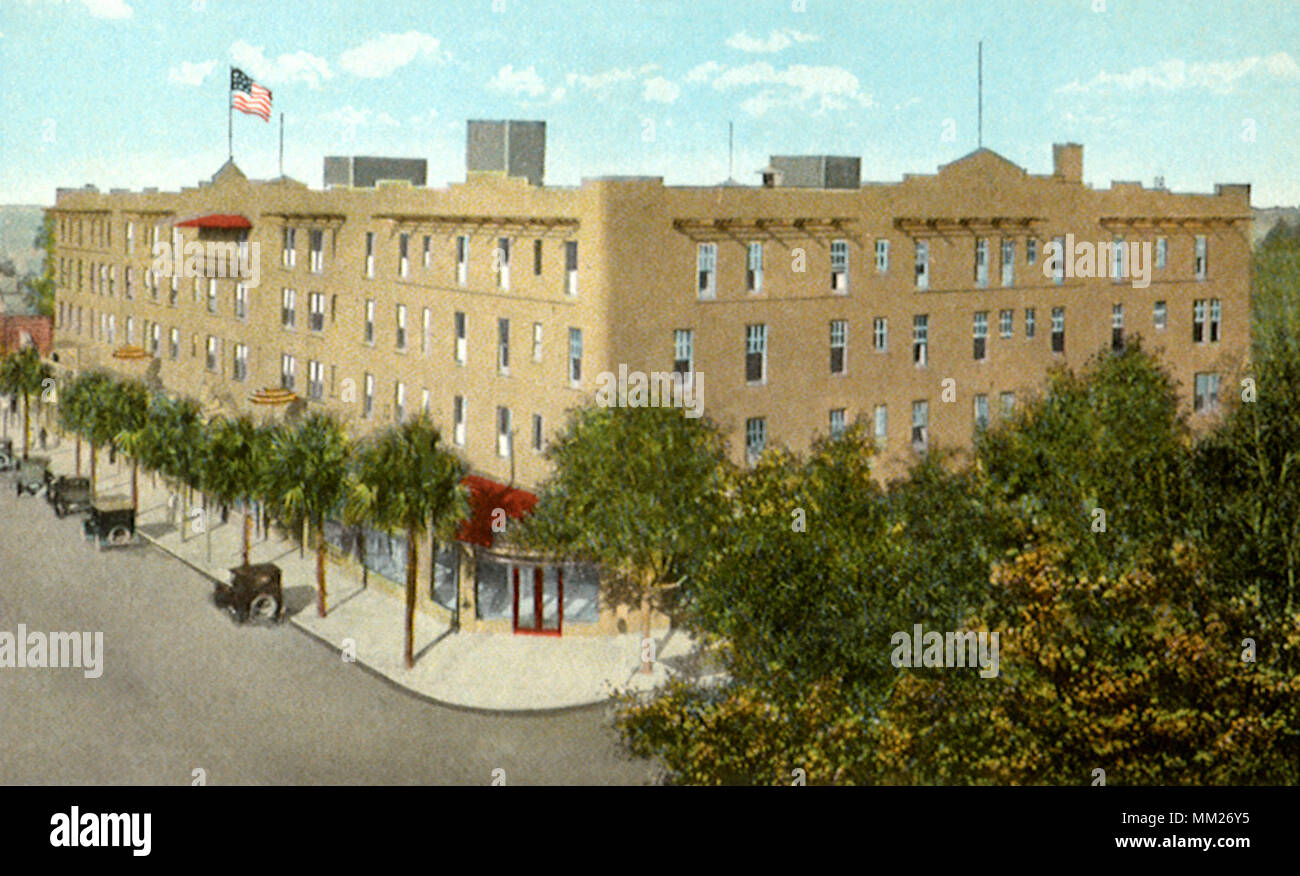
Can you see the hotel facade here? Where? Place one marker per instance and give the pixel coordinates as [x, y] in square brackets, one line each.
[923, 308]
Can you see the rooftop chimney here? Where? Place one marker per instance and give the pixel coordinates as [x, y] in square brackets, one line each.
[1067, 162]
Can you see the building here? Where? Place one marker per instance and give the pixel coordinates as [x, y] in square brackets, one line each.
[368, 171]
[924, 307]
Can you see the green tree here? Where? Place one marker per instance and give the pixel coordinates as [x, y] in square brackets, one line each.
[636, 489]
[24, 373]
[39, 290]
[129, 410]
[234, 467]
[408, 481]
[173, 445]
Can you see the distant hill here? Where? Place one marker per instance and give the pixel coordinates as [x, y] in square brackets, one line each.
[18, 226]
[1267, 217]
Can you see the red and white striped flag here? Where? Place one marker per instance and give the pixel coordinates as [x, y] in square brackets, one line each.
[248, 96]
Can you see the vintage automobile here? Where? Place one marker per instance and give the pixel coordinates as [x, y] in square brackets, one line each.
[68, 493]
[7, 459]
[32, 474]
[253, 592]
[111, 522]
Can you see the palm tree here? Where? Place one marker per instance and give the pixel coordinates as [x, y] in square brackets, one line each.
[97, 388]
[25, 373]
[308, 476]
[172, 442]
[409, 482]
[72, 416]
[128, 410]
[234, 465]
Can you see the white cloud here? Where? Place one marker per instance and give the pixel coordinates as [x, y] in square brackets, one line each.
[349, 118]
[189, 73]
[380, 56]
[108, 8]
[297, 66]
[799, 86]
[702, 72]
[1220, 77]
[776, 41]
[600, 81]
[518, 82]
[660, 90]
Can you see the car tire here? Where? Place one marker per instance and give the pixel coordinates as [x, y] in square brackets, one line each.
[264, 607]
[119, 536]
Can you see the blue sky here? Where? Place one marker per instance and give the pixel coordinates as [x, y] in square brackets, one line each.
[130, 93]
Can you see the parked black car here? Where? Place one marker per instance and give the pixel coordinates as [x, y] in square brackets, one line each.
[254, 591]
[7, 460]
[68, 493]
[32, 475]
[111, 522]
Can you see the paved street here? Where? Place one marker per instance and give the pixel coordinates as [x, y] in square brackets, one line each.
[183, 688]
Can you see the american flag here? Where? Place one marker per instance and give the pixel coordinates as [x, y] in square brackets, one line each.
[249, 97]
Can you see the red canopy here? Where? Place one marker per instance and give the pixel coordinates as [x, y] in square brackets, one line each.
[217, 220]
[485, 496]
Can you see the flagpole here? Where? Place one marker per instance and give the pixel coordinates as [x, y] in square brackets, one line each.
[230, 122]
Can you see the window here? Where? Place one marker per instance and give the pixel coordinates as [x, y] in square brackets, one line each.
[754, 268]
[1162, 252]
[155, 339]
[1008, 402]
[427, 257]
[130, 238]
[288, 249]
[128, 281]
[212, 295]
[571, 267]
[839, 343]
[287, 363]
[537, 258]
[503, 346]
[399, 402]
[882, 256]
[840, 267]
[424, 402]
[287, 314]
[980, 334]
[403, 255]
[755, 438]
[537, 342]
[837, 424]
[503, 432]
[400, 338]
[1058, 262]
[1207, 393]
[1006, 322]
[368, 398]
[755, 353]
[241, 362]
[426, 331]
[981, 262]
[213, 362]
[458, 420]
[1117, 327]
[683, 352]
[241, 301]
[881, 425]
[1030, 322]
[575, 356]
[316, 311]
[880, 334]
[920, 425]
[1058, 329]
[173, 343]
[1202, 257]
[1117, 250]
[130, 330]
[537, 433]
[1008, 262]
[922, 264]
[981, 412]
[920, 339]
[370, 321]
[1215, 313]
[316, 243]
[1160, 316]
[503, 263]
[458, 328]
[370, 253]
[462, 260]
[707, 263]
[1031, 250]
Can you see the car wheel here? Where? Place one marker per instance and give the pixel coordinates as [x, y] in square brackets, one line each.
[264, 607]
[119, 536]
[59, 510]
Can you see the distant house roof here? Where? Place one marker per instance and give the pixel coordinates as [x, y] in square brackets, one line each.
[485, 497]
[217, 220]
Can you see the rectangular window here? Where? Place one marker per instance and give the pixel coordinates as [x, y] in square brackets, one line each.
[503, 346]
[1198, 321]
[1160, 316]
[403, 255]
[503, 263]
[707, 264]
[400, 338]
[369, 333]
[1215, 313]
[241, 362]
[241, 301]
[575, 357]
[1117, 327]
[837, 423]
[130, 238]
[1117, 267]
[922, 264]
[503, 432]
[315, 380]
[286, 371]
[683, 352]
[1207, 393]
[1162, 252]
[755, 353]
[882, 256]
[1030, 322]
[981, 412]
[755, 438]
[288, 248]
[370, 253]
[1006, 322]
[571, 267]
[1058, 262]
[316, 311]
[980, 334]
[427, 256]
[316, 243]
[130, 329]
[462, 260]
[399, 402]
[537, 433]
[880, 334]
[425, 399]
[458, 420]
[128, 282]
[840, 267]
[839, 345]
[368, 397]
[1031, 250]
[537, 258]
[426, 331]
[920, 425]
[1058, 329]
[459, 331]
[981, 262]
[212, 360]
[287, 314]
[155, 338]
[1008, 402]
[881, 426]
[537, 342]
[1008, 262]
[920, 339]
[754, 268]
[173, 343]
[212, 295]
[1202, 265]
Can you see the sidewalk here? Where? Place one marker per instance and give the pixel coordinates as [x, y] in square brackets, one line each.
[487, 671]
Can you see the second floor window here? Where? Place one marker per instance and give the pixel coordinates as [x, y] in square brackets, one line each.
[1030, 322]
[920, 425]
[1117, 327]
[315, 380]
[503, 346]
[458, 420]
[839, 345]
[459, 329]
[241, 301]
[575, 356]
[287, 303]
[1207, 393]
[755, 438]
[401, 327]
[286, 371]
[1006, 322]
[537, 342]
[1160, 315]
[316, 311]
[755, 353]
[1058, 329]
[683, 352]
[241, 362]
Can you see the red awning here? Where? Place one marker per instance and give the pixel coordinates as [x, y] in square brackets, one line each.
[485, 497]
[217, 220]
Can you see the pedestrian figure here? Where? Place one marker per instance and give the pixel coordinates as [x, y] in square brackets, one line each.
[43, 436]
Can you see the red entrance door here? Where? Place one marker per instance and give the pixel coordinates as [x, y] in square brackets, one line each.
[538, 599]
